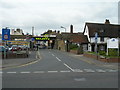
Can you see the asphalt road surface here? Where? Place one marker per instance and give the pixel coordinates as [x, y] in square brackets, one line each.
[57, 69]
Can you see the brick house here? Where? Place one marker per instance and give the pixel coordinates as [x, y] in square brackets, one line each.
[66, 38]
[80, 39]
[105, 31]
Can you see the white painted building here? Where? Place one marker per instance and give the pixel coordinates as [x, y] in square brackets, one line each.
[17, 32]
[105, 31]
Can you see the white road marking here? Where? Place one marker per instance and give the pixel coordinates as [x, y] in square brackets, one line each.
[89, 70]
[112, 70]
[100, 70]
[52, 71]
[39, 72]
[24, 72]
[53, 55]
[58, 59]
[69, 67]
[80, 79]
[11, 72]
[64, 71]
[78, 70]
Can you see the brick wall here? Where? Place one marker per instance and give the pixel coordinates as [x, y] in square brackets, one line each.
[73, 51]
[61, 45]
[115, 60]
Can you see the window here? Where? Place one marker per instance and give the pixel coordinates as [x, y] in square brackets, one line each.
[102, 39]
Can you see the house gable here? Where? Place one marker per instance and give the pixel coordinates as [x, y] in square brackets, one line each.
[86, 32]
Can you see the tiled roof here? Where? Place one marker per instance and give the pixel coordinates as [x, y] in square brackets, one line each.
[106, 30]
[79, 39]
[75, 37]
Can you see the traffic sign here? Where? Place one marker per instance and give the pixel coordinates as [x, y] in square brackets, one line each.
[5, 34]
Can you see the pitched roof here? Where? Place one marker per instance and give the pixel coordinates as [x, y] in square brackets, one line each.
[68, 36]
[79, 39]
[106, 30]
[75, 37]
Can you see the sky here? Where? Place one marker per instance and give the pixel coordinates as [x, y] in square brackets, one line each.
[52, 14]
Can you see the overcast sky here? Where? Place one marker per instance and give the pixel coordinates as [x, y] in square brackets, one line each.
[51, 14]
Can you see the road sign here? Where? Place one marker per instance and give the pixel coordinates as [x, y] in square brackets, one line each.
[113, 43]
[96, 37]
[5, 34]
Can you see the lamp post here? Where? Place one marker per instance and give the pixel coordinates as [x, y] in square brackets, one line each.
[63, 27]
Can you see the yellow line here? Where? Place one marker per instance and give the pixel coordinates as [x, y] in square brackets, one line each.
[9, 67]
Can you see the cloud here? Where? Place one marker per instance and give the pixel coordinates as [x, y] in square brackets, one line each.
[51, 14]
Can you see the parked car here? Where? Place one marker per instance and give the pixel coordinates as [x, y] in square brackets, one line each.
[7, 48]
[2, 49]
[25, 47]
[14, 48]
[10, 48]
[22, 47]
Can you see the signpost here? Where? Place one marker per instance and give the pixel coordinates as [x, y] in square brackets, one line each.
[96, 40]
[5, 37]
[5, 34]
[112, 43]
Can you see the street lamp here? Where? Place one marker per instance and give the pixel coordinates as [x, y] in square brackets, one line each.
[63, 27]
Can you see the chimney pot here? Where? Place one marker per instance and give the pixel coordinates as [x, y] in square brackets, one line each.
[107, 21]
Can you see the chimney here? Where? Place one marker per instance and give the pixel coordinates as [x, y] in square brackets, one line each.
[107, 21]
[71, 28]
[58, 32]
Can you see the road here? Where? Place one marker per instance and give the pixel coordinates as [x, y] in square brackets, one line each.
[56, 69]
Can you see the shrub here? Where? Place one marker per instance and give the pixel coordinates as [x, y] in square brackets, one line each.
[73, 46]
[102, 53]
[113, 52]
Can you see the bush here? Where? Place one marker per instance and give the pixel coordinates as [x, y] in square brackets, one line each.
[113, 52]
[102, 53]
[73, 46]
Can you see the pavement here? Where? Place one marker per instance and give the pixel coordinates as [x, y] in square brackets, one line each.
[6, 63]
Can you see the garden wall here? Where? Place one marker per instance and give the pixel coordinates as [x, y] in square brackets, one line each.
[101, 58]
